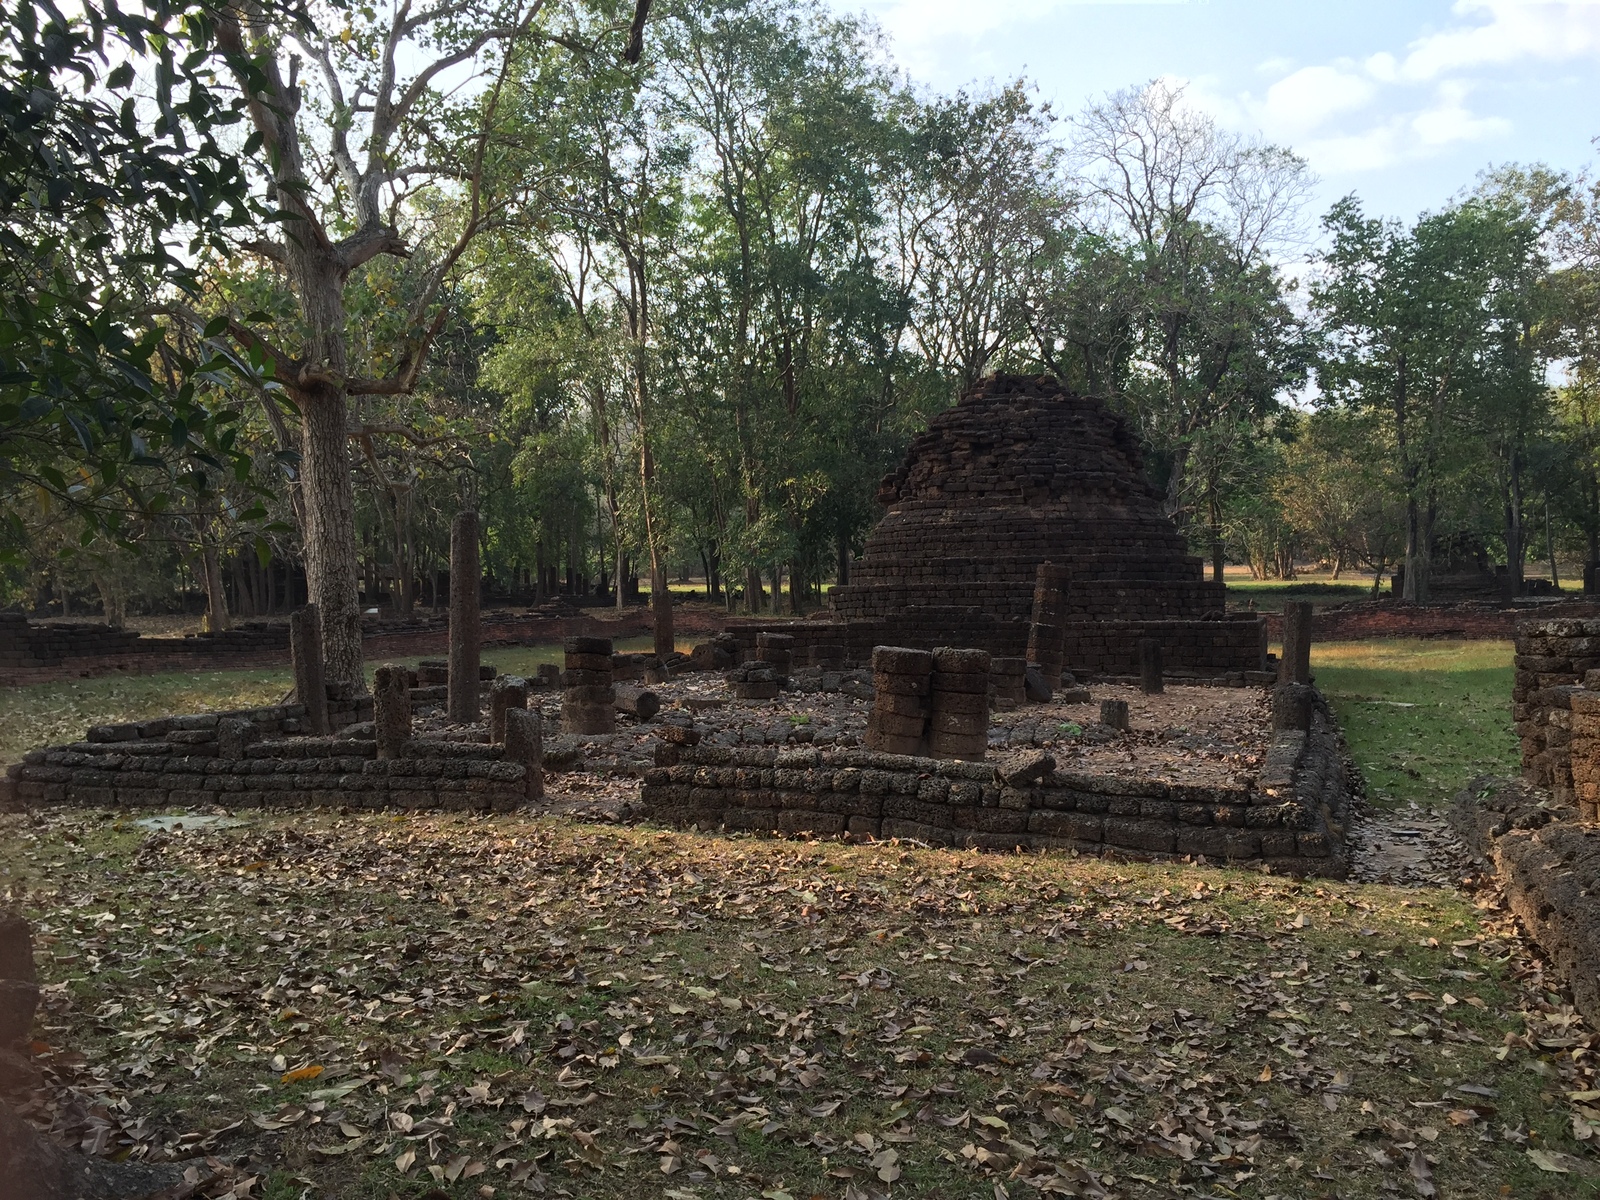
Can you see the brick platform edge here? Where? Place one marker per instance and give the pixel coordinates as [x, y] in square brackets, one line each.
[137, 655]
[257, 758]
[1230, 648]
[1549, 865]
[1388, 618]
[1292, 820]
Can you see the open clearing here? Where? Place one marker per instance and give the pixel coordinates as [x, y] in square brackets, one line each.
[376, 1005]
[1422, 715]
[381, 1005]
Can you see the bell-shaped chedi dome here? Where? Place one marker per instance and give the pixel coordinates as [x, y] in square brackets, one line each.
[1021, 472]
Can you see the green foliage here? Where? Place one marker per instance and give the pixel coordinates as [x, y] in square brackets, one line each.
[108, 199]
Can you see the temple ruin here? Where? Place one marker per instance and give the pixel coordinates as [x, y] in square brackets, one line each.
[1021, 473]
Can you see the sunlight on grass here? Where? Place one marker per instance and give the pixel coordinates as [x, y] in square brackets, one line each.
[1422, 716]
[49, 714]
[52, 714]
[1270, 595]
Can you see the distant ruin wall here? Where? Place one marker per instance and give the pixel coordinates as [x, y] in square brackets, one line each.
[1389, 618]
[1233, 646]
[42, 652]
[1293, 818]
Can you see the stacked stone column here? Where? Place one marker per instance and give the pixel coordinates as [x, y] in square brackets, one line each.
[305, 655]
[1008, 683]
[507, 693]
[1295, 665]
[587, 696]
[465, 629]
[1047, 629]
[391, 710]
[903, 679]
[958, 721]
[754, 680]
[524, 743]
[777, 651]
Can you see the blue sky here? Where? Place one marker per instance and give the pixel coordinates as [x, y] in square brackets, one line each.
[1402, 101]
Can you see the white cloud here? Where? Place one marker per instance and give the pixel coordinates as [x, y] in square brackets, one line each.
[1352, 115]
[1449, 120]
[1302, 102]
[1513, 31]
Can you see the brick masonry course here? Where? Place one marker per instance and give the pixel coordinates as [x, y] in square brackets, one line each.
[261, 758]
[1019, 473]
[1293, 818]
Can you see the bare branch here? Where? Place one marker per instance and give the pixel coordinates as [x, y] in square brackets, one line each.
[389, 115]
[265, 248]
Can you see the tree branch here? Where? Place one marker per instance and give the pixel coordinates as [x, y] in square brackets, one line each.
[635, 46]
[403, 382]
[366, 244]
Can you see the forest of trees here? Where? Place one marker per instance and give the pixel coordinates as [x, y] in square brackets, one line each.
[667, 287]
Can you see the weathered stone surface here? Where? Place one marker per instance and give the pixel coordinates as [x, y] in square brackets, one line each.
[1295, 666]
[524, 744]
[1025, 767]
[1549, 865]
[391, 711]
[466, 632]
[1292, 705]
[508, 692]
[1114, 714]
[305, 654]
[1022, 802]
[16, 948]
[1150, 681]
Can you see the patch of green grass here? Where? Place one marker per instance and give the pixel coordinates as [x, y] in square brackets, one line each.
[48, 714]
[51, 714]
[1422, 716]
[1270, 595]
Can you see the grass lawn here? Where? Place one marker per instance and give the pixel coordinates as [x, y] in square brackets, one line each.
[50, 714]
[373, 1006]
[1422, 716]
[1270, 595]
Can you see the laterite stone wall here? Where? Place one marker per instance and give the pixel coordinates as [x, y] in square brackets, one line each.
[1293, 818]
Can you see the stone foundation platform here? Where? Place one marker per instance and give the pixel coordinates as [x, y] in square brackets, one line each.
[1291, 819]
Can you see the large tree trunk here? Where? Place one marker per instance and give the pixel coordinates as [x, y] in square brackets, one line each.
[1516, 540]
[661, 608]
[216, 619]
[330, 535]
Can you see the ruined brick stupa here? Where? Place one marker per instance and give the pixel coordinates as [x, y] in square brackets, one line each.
[1021, 472]
[1018, 473]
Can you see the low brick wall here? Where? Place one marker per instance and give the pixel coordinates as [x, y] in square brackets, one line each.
[1293, 819]
[278, 773]
[1231, 645]
[87, 653]
[1553, 659]
[1388, 618]
[1548, 862]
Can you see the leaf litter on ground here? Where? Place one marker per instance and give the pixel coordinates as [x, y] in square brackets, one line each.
[382, 1005]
